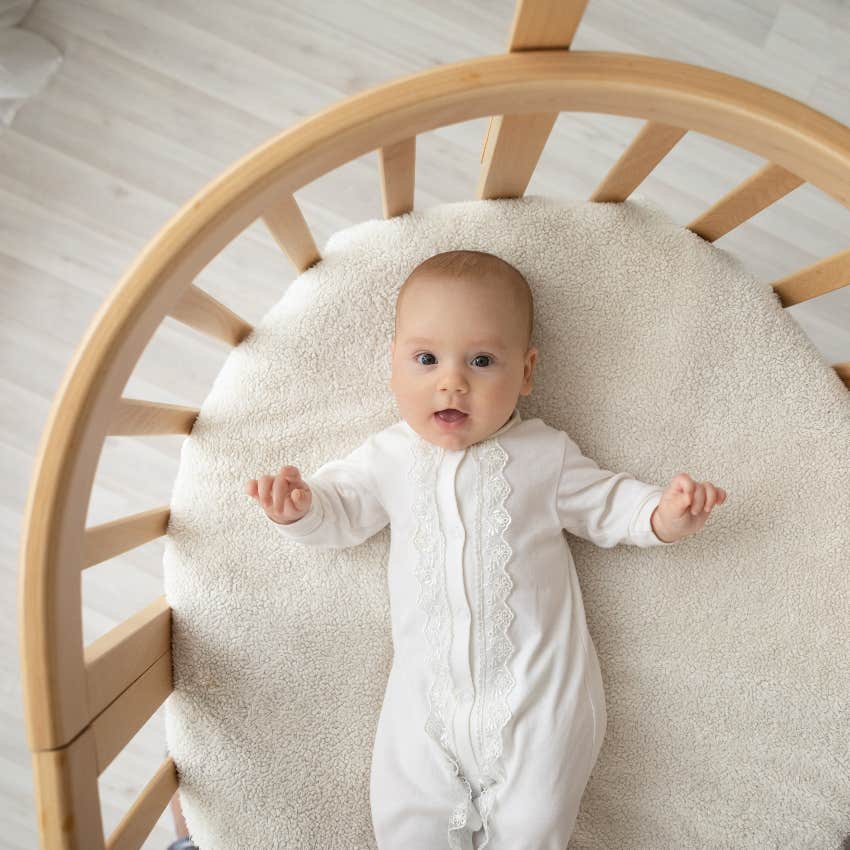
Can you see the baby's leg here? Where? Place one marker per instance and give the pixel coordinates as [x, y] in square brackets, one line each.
[413, 819]
[413, 791]
[546, 774]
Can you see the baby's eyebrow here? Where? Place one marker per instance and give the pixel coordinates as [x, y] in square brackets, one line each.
[416, 340]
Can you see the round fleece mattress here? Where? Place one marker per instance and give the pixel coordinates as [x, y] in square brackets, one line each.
[725, 658]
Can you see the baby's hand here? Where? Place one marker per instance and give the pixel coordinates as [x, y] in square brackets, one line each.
[284, 497]
[684, 507]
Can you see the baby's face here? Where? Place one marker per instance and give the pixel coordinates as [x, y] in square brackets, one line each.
[459, 346]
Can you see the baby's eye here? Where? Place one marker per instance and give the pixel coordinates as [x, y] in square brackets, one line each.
[486, 357]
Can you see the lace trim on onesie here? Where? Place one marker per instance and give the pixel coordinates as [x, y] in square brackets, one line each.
[430, 542]
[494, 617]
[497, 680]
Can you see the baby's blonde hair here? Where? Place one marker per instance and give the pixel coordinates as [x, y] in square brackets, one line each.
[465, 264]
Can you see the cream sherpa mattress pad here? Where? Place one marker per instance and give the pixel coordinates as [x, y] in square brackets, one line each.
[725, 658]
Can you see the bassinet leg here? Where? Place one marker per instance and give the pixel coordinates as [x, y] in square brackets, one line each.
[184, 840]
[180, 827]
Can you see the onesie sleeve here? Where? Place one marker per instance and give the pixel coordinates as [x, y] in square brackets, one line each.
[605, 507]
[346, 508]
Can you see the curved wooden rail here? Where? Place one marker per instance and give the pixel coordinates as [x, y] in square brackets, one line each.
[71, 701]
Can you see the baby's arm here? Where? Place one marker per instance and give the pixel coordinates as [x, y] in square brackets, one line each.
[344, 505]
[605, 507]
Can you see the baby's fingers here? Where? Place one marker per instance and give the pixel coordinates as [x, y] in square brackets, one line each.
[282, 488]
[264, 487]
[713, 496]
[710, 497]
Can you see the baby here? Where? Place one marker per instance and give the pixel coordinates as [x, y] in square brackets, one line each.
[494, 711]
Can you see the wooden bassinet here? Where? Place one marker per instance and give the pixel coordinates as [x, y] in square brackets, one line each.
[83, 704]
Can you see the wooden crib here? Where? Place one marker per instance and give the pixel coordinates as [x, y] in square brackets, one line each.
[83, 704]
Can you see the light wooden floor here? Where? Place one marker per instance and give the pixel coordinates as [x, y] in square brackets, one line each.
[156, 98]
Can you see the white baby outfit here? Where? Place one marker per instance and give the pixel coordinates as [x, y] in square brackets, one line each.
[494, 711]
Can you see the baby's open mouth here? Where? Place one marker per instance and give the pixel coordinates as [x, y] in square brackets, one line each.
[450, 414]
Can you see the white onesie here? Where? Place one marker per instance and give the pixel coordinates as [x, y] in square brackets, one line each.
[494, 711]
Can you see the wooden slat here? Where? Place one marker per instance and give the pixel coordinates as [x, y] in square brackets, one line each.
[120, 657]
[648, 148]
[287, 225]
[770, 183]
[818, 278]
[204, 313]
[144, 814]
[843, 372]
[67, 797]
[397, 163]
[136, 416]
[513, 143]
[545, 24]
[115, 727]
[486, 138]
[105, 541]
